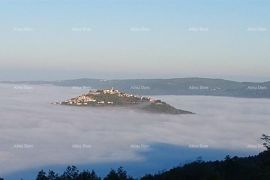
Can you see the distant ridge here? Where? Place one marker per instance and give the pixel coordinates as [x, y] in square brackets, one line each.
[174, 86]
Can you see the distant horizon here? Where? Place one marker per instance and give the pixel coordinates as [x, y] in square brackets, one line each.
[141, 78]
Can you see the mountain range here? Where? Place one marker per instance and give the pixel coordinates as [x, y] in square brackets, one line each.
[176, 86]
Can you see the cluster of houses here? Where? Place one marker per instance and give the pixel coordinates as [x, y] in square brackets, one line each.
[89, 98]
[81, 100]
[120, 94]
[85, 100]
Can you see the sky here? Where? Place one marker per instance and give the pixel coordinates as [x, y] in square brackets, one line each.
[119, 39]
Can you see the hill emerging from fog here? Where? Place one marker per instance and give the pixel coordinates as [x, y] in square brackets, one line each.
[115, 98]
[177, 86]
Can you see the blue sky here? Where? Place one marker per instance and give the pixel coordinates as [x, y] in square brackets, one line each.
[48, 39]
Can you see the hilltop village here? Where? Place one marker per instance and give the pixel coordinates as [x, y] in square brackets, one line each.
[107, 97]
[114, 97]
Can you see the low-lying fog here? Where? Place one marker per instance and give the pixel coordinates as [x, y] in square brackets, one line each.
[35, 133]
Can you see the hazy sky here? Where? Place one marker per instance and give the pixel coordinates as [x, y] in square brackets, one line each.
[62, 39]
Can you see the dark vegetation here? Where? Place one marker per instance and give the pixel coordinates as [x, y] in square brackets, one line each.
[116, 99]
[235, 168]
[163, 107]
[72, 173]
[231, 168]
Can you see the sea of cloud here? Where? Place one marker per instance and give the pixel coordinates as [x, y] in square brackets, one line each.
[35, 133]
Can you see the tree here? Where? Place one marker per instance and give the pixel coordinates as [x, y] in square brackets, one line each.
[112, 175]
[266, 140]
[52, 175]
[41, 175]
[86, 175]
[120, 174]
[71, 173]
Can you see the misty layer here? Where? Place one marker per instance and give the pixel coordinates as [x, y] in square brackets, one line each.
[30, 125]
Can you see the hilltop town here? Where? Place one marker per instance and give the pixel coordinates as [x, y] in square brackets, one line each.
[114, 97]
